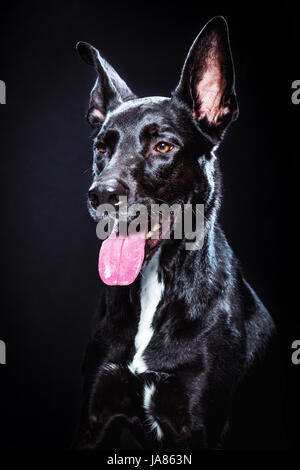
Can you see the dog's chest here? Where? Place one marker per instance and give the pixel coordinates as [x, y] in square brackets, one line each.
[138, 389]
[152, 289]
[128, 383]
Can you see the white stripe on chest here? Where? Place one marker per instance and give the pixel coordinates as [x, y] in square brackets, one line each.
[151, 293]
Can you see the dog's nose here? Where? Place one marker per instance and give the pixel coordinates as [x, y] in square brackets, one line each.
[108, 191]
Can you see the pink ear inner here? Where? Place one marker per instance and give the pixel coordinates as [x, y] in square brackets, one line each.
[97, 113]
[211, 86]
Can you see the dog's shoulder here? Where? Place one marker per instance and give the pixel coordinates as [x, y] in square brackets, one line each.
[259, 324]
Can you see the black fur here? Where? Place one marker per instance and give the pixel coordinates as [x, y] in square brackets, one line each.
[210, 328]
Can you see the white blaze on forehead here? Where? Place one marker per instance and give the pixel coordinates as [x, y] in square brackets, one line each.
[151, 293]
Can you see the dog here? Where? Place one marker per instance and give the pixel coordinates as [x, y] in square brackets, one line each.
[171, 346]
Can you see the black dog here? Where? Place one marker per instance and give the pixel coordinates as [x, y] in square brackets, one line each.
[170, 349]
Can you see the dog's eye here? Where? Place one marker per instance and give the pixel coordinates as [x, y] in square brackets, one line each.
[163, 147]
[101, 148]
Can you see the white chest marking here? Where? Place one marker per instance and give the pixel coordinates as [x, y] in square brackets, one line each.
[149, 391]
[151, 293]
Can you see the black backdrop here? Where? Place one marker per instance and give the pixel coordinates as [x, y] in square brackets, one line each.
[49, 247]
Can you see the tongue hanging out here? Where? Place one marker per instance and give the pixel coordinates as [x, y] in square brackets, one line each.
[121, 259]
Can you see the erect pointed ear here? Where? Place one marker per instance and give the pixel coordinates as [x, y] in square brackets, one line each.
[109, 90]
[207, 80]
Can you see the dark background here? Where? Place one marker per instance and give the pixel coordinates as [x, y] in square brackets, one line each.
[49, 279]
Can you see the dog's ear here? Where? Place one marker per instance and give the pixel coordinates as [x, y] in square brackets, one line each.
[207, 80]
[109, 90]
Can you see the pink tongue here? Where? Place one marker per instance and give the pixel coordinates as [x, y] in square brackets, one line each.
[121, 259]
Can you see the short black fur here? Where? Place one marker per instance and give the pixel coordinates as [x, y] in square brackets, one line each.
[210, 328]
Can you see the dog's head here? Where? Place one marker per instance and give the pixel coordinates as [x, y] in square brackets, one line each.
[157, 149]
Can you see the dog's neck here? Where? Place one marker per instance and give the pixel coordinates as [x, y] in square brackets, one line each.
[175, 252]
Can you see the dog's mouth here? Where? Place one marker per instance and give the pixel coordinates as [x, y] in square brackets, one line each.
[121, 257]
